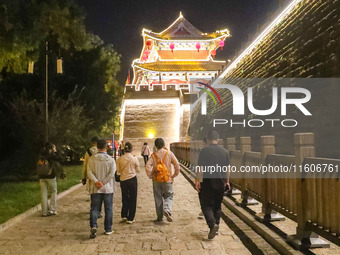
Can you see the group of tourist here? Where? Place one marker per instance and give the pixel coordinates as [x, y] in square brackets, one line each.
[101, 172]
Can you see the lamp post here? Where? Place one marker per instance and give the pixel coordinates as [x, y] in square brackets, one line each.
[59, 71]
[46, 94]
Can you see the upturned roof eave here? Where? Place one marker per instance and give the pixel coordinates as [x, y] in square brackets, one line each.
[209, 37]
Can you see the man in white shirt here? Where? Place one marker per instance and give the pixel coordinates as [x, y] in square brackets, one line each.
[101, 170]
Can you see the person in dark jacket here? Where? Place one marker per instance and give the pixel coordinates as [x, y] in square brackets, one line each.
[48, 181]
[211, 185]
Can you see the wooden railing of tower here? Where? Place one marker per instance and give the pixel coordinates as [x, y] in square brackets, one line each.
[314, 203]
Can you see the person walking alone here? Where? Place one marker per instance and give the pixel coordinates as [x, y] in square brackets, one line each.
[48, 181]
[158, 168]
[211, 186]
[101, 170]
[145, 151]
[127, 168]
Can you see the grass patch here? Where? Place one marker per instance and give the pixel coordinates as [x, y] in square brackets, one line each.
[17, 197]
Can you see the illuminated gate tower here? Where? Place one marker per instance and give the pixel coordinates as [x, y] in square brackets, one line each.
[156, 103]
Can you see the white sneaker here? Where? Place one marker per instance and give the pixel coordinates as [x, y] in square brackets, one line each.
[109, 232]
[130, 221]
[52, 213]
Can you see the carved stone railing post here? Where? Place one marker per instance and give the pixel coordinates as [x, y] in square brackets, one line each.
[187, 154]
[245, 145]
[304, 238]
[231, 146]
[267, 214]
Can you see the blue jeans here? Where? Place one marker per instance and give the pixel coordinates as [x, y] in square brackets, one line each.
[96, 203]
[163, 194]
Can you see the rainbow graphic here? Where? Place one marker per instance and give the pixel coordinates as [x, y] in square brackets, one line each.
[209, 93]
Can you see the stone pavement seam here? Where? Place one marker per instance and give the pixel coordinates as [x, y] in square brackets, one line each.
[68, 232]
[11, 222]
[269, 236]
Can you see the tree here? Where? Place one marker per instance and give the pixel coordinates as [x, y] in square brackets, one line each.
[92, 73]
[26, 24]
[67, 126]
[83, 101]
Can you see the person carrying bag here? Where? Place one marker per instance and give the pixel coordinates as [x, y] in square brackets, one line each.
[127, 168]
[48, 168]
[158, 168]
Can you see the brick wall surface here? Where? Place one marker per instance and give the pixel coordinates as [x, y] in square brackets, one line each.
[141, 119]
[184, 123]
[304, 45]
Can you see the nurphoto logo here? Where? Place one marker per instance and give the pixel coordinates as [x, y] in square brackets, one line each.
[278, 96]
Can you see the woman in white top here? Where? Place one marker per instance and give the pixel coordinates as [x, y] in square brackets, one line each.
[145, 152]
[127, 168]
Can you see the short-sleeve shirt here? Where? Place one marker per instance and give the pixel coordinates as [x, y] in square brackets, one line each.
[212, 156]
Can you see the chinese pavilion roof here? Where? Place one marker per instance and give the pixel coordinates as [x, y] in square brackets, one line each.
[173, 66]
[182, 29]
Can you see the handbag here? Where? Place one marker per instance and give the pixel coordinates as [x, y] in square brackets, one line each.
[117, 177]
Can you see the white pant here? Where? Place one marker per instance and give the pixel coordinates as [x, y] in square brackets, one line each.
[45, 185]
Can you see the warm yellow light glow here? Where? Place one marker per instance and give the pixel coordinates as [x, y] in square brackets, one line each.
[202, 40]
[180, 17]
[59, 66]
[151, 135]
[209, 58]
[30, 67]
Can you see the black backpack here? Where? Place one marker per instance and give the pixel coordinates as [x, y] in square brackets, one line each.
[44, 167]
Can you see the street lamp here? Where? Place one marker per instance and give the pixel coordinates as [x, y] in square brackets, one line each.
[59, 71]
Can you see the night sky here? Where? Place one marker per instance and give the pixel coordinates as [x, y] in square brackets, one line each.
[120, 22]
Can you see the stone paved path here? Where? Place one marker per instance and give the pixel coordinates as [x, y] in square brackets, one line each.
[68, 232]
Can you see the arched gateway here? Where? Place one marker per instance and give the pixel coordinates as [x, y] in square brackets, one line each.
[156, 103]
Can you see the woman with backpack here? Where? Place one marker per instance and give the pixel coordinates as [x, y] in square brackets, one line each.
[48, 167]
[127, 168]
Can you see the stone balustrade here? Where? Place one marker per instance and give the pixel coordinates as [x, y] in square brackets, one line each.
[309, 198]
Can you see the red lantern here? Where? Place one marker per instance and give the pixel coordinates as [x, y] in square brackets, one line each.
[221, 44]
[172, 46]
[147, 52]
[198, 46]
[213, 53]
[148, 43]
[145, 57]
